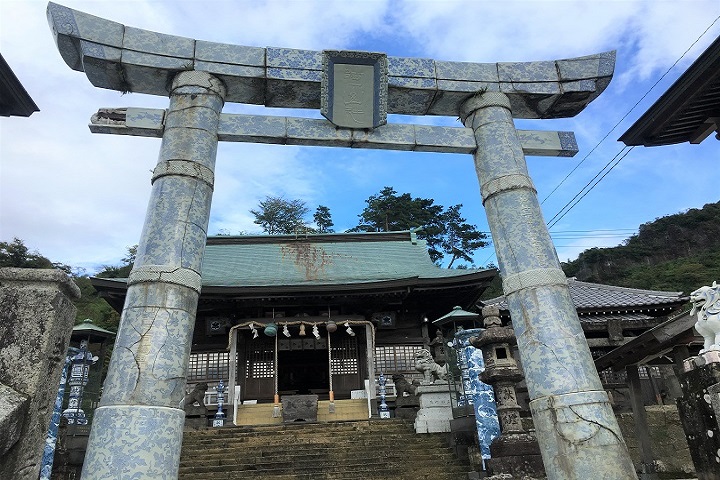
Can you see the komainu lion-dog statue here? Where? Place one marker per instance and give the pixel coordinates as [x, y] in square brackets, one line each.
[196, 395]
[431, 371]
[706, 303]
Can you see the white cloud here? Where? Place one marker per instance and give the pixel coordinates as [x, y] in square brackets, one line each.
[80, 198]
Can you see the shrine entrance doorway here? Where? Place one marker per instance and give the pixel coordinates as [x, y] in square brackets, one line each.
[303, 366]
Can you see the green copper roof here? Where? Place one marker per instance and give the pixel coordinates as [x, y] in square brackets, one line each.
[325, 259]
[457, 314]
[87, 327]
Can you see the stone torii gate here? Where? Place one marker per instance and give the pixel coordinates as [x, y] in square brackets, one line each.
[137, 430]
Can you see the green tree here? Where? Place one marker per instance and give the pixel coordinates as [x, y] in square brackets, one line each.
[16, 254]
[122, 270]
[460, 239]
[323, 219]
[91, 305]
[278, 216]
[445, 231]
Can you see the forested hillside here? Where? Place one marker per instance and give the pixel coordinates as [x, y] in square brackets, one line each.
[678, 252]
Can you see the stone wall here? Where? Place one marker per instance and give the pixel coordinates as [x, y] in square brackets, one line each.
[670, 449]
[36, 320]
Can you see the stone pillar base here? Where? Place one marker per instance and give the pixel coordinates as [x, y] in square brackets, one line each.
[435, 411]
[580, 433]
[699, 383]
[516, 454]
[36, 320]
[134, 441]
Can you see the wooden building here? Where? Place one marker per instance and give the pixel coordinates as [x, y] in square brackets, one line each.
[614, 319]
[380, 290]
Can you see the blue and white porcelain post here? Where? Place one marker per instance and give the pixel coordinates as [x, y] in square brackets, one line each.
[219, 420]
[52, 434]
[79, 370]
[383, 409]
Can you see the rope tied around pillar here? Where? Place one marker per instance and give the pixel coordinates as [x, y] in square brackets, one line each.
[506, 182]
[533, 278]
[483, 100]
[197, 78]
[184, 168]
[165, 274]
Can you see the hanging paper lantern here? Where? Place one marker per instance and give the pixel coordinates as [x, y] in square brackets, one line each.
[271, 330]
[331, 326]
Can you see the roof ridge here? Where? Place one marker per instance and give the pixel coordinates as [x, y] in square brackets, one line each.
[626, 289]
[396, 236]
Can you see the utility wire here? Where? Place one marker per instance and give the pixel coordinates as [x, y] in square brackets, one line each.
[569, 205]
[625, 116]
[589, 189]
[554, 220]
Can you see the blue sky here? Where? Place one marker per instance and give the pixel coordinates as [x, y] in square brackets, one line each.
[80, 198]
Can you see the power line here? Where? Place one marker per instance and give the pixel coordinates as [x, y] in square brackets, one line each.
[589, 186]
[567, 207]
[595, 233]
[625, 116]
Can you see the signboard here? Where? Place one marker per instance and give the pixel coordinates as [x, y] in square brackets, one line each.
[354, 89]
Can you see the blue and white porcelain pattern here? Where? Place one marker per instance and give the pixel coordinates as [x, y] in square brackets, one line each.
[137, 431]
[149, 122]
[131, 59]
[571, 410]
[478, 394]
[146, 446]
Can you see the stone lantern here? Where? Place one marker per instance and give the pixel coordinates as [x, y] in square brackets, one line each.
[77, 380]
[515, 451]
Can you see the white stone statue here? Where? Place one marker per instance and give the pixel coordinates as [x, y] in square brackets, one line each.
[706, 302]
[431, 371]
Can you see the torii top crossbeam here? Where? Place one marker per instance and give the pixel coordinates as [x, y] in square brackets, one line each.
[128, 59]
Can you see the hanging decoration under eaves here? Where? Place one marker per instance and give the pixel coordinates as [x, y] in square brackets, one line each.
[271, 328]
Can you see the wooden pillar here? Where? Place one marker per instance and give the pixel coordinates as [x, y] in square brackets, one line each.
[232, 372]
[641, 427]
[370, 346]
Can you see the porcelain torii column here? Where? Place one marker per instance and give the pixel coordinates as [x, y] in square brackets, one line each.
[575, 424]
[138, 427]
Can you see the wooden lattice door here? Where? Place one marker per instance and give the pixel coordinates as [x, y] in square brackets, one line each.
[259, 368]
[347, 364]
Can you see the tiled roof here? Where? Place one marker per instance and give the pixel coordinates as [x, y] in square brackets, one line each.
[326, 259]
[594, 296]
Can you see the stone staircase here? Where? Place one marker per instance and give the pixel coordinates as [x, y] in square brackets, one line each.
[357, 450]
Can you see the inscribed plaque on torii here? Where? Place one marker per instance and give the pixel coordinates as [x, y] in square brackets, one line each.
[354, 88]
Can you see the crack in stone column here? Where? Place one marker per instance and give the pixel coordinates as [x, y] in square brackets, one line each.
[138, 428]
[525, 253]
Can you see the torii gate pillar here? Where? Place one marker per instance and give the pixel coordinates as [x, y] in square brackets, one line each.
[576, 428]
[137, 430]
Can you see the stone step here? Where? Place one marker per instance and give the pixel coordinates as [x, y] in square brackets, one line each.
[374, 425]
[359, 470]
[366, 439]
[336, 464]
[304, 456]
[334, 475]
[318, 447]
[354, 450]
